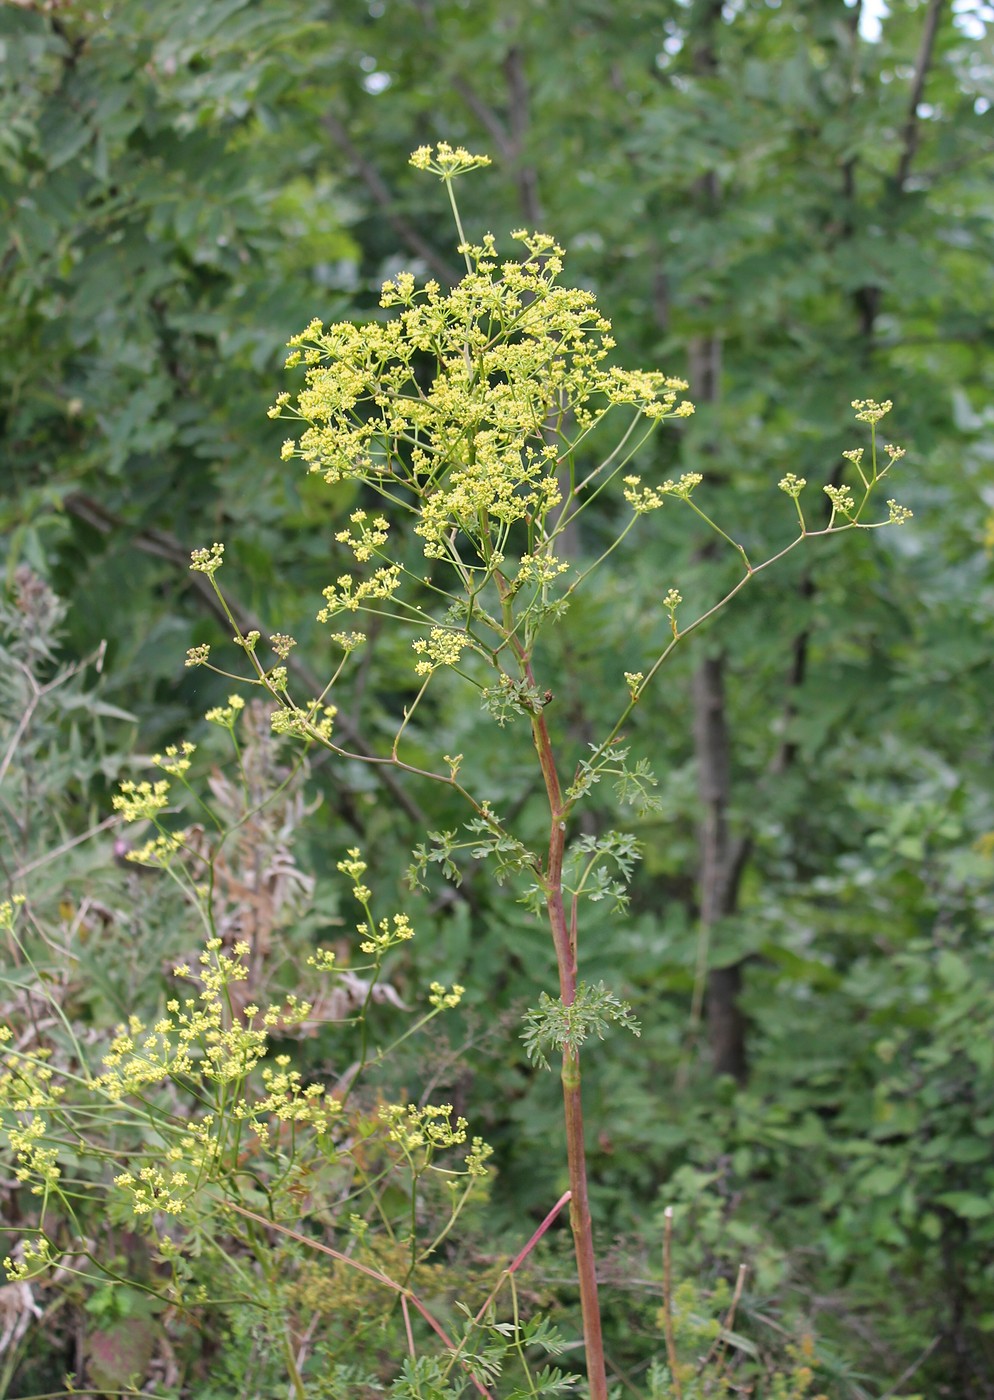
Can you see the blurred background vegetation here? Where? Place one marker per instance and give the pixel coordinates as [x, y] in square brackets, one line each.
[791, 205]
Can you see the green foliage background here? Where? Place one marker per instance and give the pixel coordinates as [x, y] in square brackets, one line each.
[793, 200]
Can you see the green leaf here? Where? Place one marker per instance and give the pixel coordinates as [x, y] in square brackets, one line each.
[967, 1205]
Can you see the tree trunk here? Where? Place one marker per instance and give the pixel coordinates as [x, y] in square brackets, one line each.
[721, 860]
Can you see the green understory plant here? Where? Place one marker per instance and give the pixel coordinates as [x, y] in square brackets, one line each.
[197, 1130]
[484, 421]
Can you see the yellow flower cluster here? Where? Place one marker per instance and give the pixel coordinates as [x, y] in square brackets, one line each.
[176, 759]
[140, 801]
[35, 1160]
[198, 1041]
[540, 568]
[446, 162]
[288, 720]
[843, 502]
[442, 647]
[368, 537]
[355, 867]
[158, 850]
[8, 908]
[207, 561]
[869, 411]
[516, 355]
[196, 1037]
[36, 1256]
[502, 484]
[642, 499]
[422, 1132]
[349, 596]
[226, 714]
[444, 1000]
[841, 498]
[477, 1155]
[289, 1100]
[656, 394]
[151, 1189]
[317, 721]
[793, 485]
[386, 935]
[28, 1094]
[27, 1091]
[427, 1129]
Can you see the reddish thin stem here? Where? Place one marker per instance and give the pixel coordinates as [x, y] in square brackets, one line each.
[565, 946]
[564, 942]
[387, 1282]
[407, 1324]
[516, 1263]
[523, 1254]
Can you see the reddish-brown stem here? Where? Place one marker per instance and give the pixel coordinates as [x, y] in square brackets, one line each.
[564, 942]
[407, 1325]
[582, 1225]
[513, 1267]
[565, 946]
[523, 1253]
[521, 1256]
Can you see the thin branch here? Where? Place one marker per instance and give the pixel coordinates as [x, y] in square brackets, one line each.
[509, 140]
[527, 177]
[485, 115]
[19, 875]
[384, 199]
[910, 1371]
[949, 168]
[912, 124]
[519, 1259]
[375, 1274]
[971, 337]
[38, 693]
[412, 1351]
[720, 1344]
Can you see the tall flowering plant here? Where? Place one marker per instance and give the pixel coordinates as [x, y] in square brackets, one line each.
[486, 455]
[472, 417]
